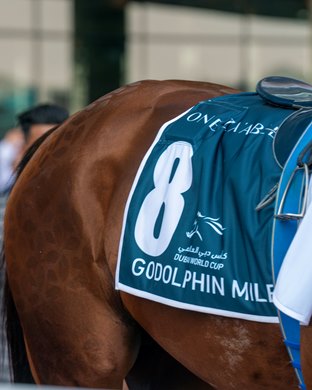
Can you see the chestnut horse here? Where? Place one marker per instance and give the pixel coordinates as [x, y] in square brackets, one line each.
[62, 227]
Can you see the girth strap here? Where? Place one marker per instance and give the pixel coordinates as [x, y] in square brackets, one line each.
[290, 205]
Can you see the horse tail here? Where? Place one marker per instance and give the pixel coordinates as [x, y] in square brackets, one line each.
[18, 362]
[12, 332]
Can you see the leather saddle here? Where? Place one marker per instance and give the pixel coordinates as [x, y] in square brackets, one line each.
[286, 92]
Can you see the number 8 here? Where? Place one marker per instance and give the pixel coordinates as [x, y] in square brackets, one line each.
[169, 183]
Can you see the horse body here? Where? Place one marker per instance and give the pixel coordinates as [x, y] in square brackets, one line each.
[62, 228]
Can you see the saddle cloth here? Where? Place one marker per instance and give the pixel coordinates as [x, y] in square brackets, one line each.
[191, 236]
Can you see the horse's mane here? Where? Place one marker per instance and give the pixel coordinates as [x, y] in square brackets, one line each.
[19, 366]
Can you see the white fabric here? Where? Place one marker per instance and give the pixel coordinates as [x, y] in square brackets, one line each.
[8, 153]
[293, 291]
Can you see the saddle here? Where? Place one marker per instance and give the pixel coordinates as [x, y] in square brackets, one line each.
[292, 149]
[289, 93]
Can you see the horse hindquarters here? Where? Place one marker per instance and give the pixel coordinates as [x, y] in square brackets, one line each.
[76, 331]
[19, 365]
[73, 336]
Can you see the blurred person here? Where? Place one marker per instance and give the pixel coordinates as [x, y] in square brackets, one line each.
[10, 147]
[32, 124]
[38, 120]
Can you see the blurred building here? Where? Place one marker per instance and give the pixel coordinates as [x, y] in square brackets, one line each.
[36, 51]
[73, 51]
[166, 41]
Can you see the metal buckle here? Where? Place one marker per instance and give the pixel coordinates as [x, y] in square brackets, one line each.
[268, 198]
[304, 196]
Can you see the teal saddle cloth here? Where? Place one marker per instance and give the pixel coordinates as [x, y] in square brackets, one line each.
[192, 237]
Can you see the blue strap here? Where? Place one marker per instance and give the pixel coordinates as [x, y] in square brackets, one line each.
[283, 233]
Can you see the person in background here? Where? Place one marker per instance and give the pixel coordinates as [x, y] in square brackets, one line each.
[10, 147]
[38, 120]
[32, 124]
